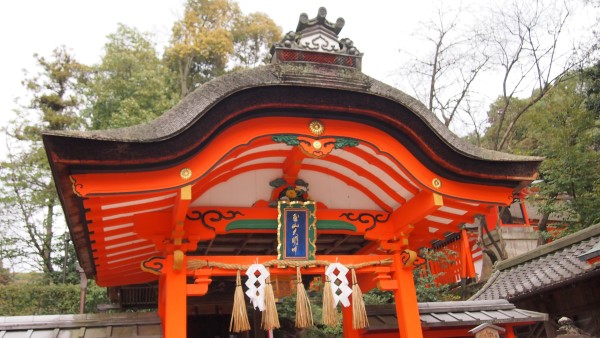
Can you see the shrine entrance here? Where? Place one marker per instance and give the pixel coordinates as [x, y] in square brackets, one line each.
[305, 167]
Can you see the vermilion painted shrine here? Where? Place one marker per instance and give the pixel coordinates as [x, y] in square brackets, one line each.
[205, 190]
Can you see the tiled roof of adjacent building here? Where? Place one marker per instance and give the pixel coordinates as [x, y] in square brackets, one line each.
[461, 313]
[140, 324]
[454, 314]
[433, 315]
[548, 266]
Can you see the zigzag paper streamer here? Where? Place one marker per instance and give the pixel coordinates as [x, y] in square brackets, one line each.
[257, 275]
[339, 284]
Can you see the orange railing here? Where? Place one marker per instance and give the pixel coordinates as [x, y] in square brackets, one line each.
[454, 261]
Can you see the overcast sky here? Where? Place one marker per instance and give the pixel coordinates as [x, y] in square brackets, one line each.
[378, 28]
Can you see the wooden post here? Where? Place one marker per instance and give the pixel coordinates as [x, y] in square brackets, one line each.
[175, 298]
[468, 264]
[349, 331]
[161, 297]
[510, 331]
[407, 308]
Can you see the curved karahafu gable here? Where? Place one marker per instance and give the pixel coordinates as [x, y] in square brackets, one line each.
[279, 90]
[397, 161]
[292, 90]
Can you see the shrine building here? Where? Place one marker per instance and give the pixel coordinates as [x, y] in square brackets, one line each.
[291, 168]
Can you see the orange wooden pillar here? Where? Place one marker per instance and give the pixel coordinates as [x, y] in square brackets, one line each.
[349, 331]
[466, 257]
[407, 308]
[174, 291]
[510, 331]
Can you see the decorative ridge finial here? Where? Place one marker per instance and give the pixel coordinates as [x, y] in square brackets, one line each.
[304, 22]
[315, 40]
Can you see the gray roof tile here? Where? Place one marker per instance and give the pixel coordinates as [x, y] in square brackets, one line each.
[545, 267]
[455, 314]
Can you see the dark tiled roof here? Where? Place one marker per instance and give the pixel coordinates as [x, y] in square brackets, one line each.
[453, 314]
[547, 266]
[442, 314]
[592, 253]
[141, 324]
[278, 90]
[306, 75]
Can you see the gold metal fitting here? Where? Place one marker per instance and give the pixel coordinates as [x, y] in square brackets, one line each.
[316, 127]
[185, 173]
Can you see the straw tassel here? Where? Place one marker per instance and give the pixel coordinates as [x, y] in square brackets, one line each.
[303, 311]
[239, 316]
[270, 319]
[359, 313]
[328, 304]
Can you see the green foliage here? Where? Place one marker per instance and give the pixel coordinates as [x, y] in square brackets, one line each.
[65, 261]
[28, 199]
[376, 296]
[131, 85]
[286, 309]
[425, 281]
[592, 101]
[213, 33]
[55, 95]
[31, 299]
[561, 128]
[5, 277]
[252, 36]
[201, 41]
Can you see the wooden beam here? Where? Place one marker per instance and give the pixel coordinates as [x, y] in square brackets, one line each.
[292, 165]
[364, 172]
[279, 270]
[408, 185]
[407, 215]
[352, 183]
[336, 244]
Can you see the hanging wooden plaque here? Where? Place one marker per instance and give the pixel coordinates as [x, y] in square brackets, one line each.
[296, 230]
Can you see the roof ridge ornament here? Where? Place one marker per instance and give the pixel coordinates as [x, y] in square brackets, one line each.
[316, 40]
[304, 22]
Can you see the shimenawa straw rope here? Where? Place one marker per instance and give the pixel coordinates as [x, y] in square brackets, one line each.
[239, 316]
[270, 319]
[303, 311]
[359, 313]
[328, 306]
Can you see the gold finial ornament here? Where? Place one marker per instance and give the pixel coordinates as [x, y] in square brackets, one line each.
[437, 183]
[185, 173]
[316, 127]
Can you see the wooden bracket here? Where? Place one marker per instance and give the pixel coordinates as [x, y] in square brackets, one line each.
[201, 282]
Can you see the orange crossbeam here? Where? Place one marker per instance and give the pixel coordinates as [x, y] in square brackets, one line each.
[275, 270]
[243, 133]
[381, 165]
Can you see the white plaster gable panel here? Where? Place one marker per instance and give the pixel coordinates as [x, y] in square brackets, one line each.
[375, 170]
[368, 184]
[319, 40]
[334, 193]
[241, 190]
[261, 160]
[137, 202]
[254, 150]
[389, 162]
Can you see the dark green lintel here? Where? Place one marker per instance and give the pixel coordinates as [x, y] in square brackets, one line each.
[267, 224]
